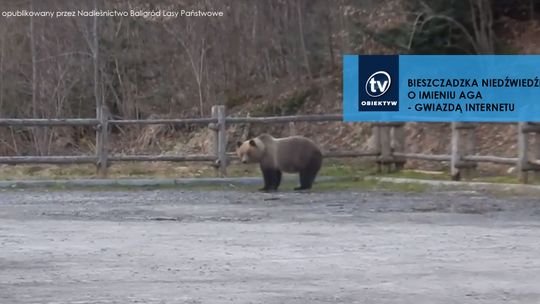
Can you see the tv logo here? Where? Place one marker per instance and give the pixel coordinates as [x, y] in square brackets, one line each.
[378, 84]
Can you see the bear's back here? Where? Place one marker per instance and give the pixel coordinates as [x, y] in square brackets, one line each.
[295, 153]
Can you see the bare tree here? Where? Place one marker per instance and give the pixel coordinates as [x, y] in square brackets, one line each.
[63, 67]
[37, 133]
[2, 56]
[301, 33]
[481, 37]
[95, 58]
[196, 55]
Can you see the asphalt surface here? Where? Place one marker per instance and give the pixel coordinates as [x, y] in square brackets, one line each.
[172, 246]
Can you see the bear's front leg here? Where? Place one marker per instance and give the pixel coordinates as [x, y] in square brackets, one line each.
[272, 179]
[267, 176]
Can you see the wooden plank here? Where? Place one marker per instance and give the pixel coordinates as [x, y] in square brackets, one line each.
[522, 147]
[102, 142]
[166, 158]
[385, 158]
[14, 160]
[470, 149]
[455, 153]
[286, 119]
[245, 132]
[386, 152]
[215, 137]
[329, 154]
[420, 156]
[491, 159]
[44, 122]
[376, 133]
[530, 128]
[200, 121]
[222, 141]
[338, 154]
[292, 129]
[399, 146]
[537, 153]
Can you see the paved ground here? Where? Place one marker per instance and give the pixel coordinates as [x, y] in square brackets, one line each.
[172, 246]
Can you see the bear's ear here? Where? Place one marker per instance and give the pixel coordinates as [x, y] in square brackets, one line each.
[238, 143]
[252, 143]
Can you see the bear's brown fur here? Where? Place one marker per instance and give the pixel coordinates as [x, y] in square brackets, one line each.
[294, 154]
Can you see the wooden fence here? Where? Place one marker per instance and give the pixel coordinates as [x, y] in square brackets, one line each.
[389, 152]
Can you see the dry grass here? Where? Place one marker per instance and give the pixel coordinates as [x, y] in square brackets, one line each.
[343, 167]
[353, 168]
[123, 170]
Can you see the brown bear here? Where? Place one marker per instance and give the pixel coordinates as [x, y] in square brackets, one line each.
[294, 154]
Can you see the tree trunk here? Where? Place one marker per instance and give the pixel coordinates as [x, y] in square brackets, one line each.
[2, 47]
[95, 57]
[36, 131]
[303, 43]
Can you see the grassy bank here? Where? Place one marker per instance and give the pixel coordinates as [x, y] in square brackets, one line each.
[353, 169]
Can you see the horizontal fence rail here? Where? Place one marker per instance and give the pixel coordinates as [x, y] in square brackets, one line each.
[348, 154]
[440, 157]
[389, 139]
[39, 122]
[286, 119]
[14, 160]
[167, 158]
[201, 121]
[328, 154]
[491, 159]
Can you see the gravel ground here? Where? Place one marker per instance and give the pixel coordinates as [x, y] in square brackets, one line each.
[172, 246]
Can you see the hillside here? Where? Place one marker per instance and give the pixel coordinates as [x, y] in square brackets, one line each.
[264, 59]
[323, 95]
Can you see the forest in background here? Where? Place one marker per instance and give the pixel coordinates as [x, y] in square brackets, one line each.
[263, 57]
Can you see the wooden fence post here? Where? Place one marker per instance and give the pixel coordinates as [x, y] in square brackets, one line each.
[220, 139]
[292, 129]
[376, 133]
[455, 153]
[246, 131]
[469, 149]
[522, 145]
[537, 153]
[399, 146]
[386, 150]
[102, 141]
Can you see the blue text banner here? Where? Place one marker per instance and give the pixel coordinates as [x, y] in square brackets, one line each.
[444, 88]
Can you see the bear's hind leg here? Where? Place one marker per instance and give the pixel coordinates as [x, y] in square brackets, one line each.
[306, 180]
[307, 176]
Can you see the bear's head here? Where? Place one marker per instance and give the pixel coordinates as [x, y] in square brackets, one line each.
[250, 151]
